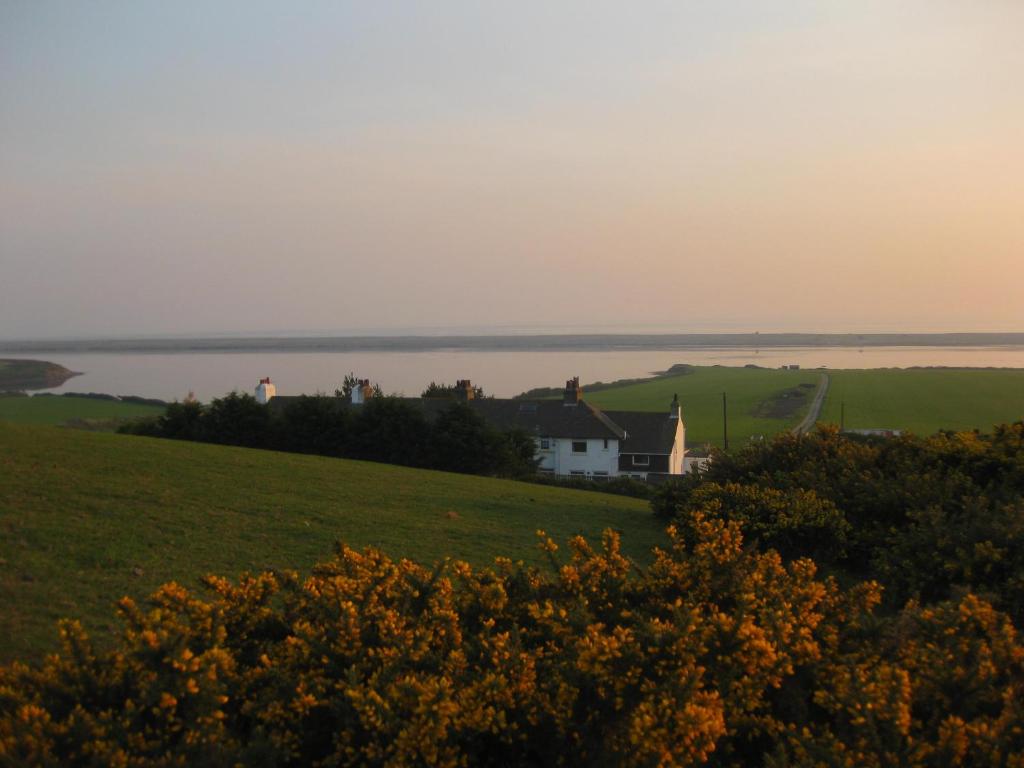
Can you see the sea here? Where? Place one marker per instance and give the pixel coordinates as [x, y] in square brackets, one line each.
[502, 373]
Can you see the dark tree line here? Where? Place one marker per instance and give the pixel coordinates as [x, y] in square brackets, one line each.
[384, 429]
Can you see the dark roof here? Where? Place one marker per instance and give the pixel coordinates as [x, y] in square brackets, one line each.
[641, 432]
[647, 432]
[541, 418]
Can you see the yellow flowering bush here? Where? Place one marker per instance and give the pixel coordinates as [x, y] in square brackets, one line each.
[714, 654]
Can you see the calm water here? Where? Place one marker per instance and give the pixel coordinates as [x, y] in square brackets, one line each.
[503, 374]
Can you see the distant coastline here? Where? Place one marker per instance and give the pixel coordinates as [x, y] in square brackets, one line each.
[534, 343]
[16, 375]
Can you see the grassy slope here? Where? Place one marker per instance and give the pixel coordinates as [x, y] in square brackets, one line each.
[57, 410]
[701, 395]
[80, 512]
[925, 401]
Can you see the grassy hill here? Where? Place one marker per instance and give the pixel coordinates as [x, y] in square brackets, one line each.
[762, 401]
[925, 400]
[88, 517]
[80, 411]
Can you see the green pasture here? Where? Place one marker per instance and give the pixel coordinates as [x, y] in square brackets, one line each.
[61, 410]
[88, 517]
[762, 401]
[925, 400]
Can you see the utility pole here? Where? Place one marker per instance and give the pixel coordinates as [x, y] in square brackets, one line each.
[725, 422]
[842, 416]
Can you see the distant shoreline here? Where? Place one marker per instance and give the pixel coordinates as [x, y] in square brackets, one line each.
[17, 375]
[521, 343]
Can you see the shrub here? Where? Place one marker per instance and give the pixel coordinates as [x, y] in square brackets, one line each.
[930, 517]
[714, 655]
[796, 522]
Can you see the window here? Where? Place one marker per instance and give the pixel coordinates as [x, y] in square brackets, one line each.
[577, 473]
[606, 443]
[641, 461]
[600, 476]
[545, 444]
[579, 446]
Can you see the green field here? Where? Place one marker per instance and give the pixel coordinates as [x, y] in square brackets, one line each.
[87, 517]
[85, 411]
[762, 401]
[925, 400]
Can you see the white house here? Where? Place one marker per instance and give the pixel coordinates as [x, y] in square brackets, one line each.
[573, 437]
[596, 444]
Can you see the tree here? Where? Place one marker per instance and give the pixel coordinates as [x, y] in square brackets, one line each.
[350, 382]
[179, 421]
[450, 391]
[237, 419]
[315, 424]
[390, 430]
[461, 441]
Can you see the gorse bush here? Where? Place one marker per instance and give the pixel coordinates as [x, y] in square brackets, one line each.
[730, 649]
[715, 654]
[794, 521]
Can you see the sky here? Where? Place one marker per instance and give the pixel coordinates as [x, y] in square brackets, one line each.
[234, 167]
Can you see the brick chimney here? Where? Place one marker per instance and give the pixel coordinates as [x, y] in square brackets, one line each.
[464, 390]
[573, 392]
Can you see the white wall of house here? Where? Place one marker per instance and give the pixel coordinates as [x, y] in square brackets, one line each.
[601, 457]
[676, 461]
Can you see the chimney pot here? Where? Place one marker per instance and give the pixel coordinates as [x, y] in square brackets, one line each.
[573, 392]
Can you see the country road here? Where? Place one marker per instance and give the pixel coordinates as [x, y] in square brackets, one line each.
[808, 422]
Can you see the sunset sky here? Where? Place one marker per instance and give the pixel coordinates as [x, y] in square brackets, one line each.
[176, 167]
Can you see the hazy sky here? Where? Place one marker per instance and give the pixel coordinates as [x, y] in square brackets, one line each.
[186, 167]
